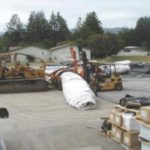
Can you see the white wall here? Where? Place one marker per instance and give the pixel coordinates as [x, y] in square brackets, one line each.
[37, 52]
[64, 54]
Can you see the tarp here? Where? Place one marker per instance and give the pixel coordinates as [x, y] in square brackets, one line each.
[77, 92]
[124, 62]
[129, 121]
[120, 68]
[123, 66]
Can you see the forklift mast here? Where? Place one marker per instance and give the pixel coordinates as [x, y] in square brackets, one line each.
[83, 58]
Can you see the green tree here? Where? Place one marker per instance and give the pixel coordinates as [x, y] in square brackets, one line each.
[15, 31]
[3, 46]
[143, 31]
[78, 32]
[54, 29]
[102, 45]
[90, 26]
[63, 31]
[115, 44]
[59, 29]
[128, 36]
[38, 28]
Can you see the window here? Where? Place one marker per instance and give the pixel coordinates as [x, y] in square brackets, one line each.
[127, 50]
[43, 53]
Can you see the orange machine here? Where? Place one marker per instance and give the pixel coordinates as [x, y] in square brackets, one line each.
[21, 78]
[99, 81]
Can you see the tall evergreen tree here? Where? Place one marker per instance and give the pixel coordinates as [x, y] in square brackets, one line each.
[78, 31]
[14, 33]
[89, 27]
[143, 31]
[54, 28]
[128, 36]
[37, 28]
[63, 30]
[59, 29]
[92, 24]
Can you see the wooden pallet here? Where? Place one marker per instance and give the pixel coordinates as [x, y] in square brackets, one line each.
[131, 148]
[124, 109]
[140, 121]
[121, 127]
[116, 140]
[106, 134]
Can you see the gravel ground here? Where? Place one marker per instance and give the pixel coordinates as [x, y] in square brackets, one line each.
[43, 121]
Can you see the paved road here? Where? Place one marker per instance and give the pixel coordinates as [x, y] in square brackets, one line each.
[133, 86]
[43, 121]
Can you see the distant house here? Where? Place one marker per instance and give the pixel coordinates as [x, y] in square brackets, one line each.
[33, 51]
[133, 51]
[62, 53]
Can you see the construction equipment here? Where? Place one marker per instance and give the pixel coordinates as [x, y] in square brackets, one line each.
[89, 70]
[99, 79]
[21, 78]
[129, 101]
[104, 78]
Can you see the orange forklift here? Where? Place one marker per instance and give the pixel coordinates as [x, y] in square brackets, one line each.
[95, 73]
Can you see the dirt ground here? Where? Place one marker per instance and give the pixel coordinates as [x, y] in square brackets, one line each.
[43, 121]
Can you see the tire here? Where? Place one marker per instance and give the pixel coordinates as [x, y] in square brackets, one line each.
[4, 113]
[41, 85]
[118, 87]
[123, 102]
[94, 88]
[59, 85]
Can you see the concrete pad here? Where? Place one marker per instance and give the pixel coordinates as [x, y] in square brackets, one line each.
[132, 86]
[2, 144]
[44, 121]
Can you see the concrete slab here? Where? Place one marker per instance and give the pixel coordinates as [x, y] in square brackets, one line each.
[131, 85]
[43, 121]
[2, 144]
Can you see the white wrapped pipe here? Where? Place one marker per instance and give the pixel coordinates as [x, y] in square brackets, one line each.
[2, 144]
[77, 92]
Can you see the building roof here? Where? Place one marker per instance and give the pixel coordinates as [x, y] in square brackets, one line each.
[11, 48]
[60, 46]
[14, 50]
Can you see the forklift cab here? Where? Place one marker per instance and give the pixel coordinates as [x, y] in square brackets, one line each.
[106, 77]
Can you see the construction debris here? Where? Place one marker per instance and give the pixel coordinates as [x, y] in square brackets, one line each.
[77, 92]
[134, 102]
[141, 68]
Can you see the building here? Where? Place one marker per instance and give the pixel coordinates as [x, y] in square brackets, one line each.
[62, 53]
[133, 51]
[33, 51]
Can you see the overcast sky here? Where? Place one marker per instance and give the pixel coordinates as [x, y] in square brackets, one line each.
[112, 13]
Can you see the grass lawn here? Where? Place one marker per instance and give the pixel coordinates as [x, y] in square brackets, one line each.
[120, 58]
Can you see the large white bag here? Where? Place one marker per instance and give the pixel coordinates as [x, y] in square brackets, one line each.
[77, 92]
